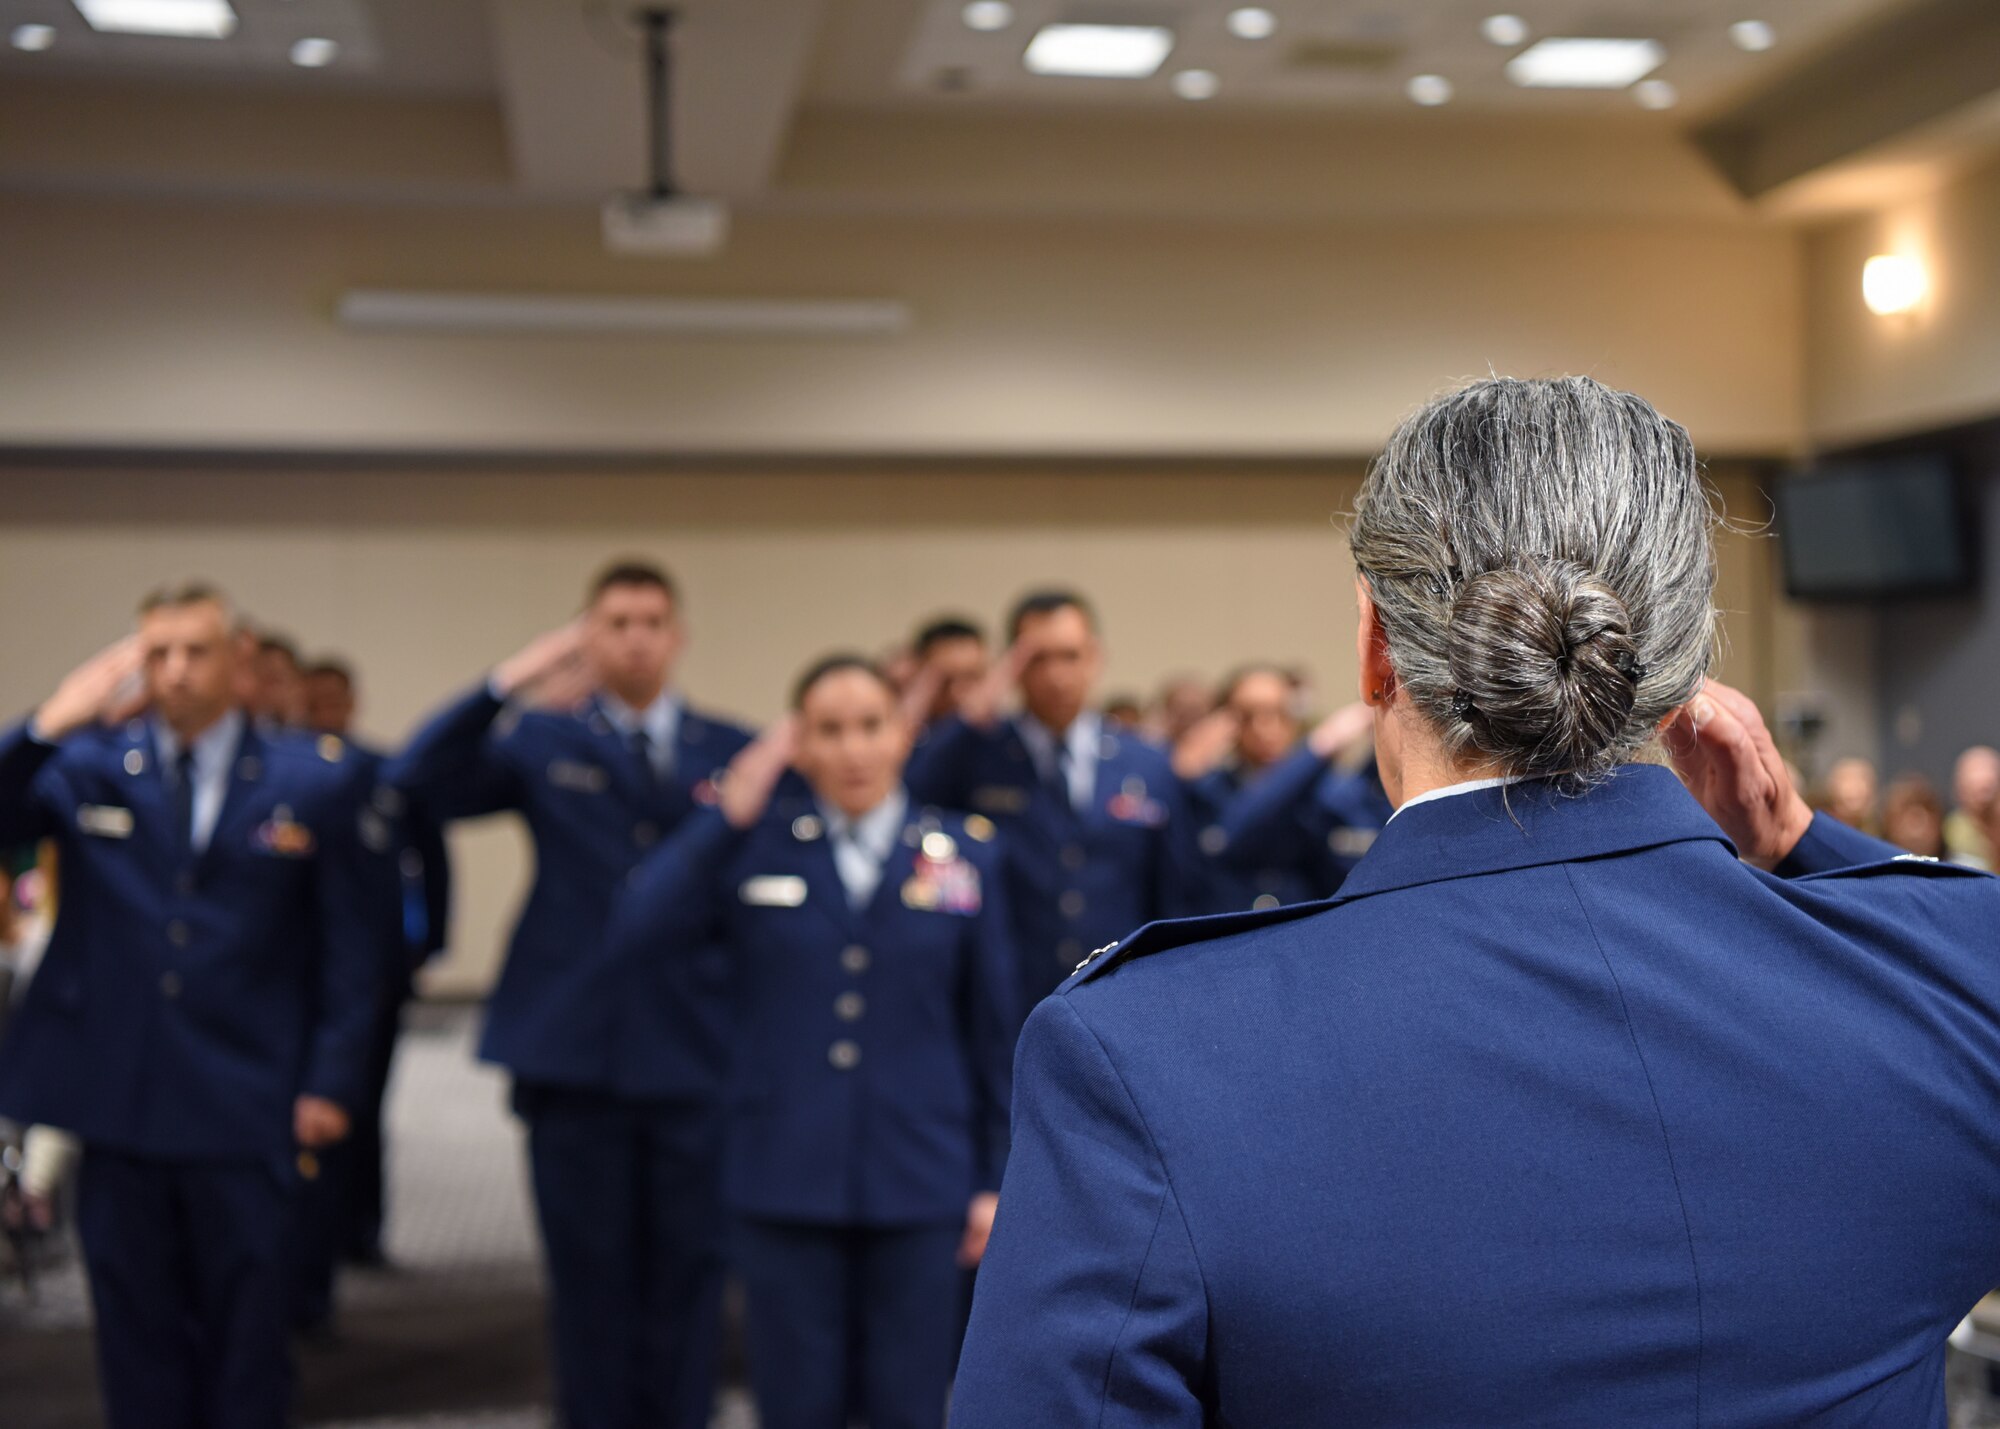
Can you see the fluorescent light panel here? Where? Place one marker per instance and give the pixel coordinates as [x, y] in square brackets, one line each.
[193, 19]
[1585, 64]
[554, 313]
[1099, 51]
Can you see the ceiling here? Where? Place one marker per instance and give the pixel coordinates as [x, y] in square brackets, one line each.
[756, 78]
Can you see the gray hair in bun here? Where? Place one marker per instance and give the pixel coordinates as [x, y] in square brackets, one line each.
[1541, 558]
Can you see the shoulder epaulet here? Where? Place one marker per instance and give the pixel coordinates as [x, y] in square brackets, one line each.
[1181, 932]
[1902, 863]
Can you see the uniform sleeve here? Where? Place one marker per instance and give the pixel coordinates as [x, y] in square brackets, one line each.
[1090, 1308]
[991, 1015]
[941, 767]
[26, 814]
[1265, 823]
[358, 893]
[453, 767]
[1829, 844]
[673, 899]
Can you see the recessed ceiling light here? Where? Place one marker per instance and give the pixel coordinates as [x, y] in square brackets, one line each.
[194, 19]
[1505, 29]
[1430, 90]
[1196, 84]
[1099, 51]
[314, 53]
[988, 15]
[1655, 94]
[1585, 64]
[1252, 22]
[1753, 35]
[33, 38]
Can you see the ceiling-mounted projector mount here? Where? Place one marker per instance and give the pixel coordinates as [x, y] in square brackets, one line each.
[662, 221]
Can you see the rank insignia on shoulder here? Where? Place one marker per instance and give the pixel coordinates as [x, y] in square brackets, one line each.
[807, 827]
[1093, 957]
[979, 828]
[331, 748]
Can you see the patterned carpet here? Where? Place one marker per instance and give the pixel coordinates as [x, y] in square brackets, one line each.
[452, 1337]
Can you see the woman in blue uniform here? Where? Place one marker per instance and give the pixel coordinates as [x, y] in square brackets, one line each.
[868, 1106]
[1593, 1098]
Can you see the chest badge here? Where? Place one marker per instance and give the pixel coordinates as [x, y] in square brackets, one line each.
[942, 881]
[284, 836]
[773, 890]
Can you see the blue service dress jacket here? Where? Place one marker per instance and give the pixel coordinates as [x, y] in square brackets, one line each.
[1301, 815]
[1075, 880]
[1557, 1115]
[186, 1000]
[566, 1012]
[870, 1086]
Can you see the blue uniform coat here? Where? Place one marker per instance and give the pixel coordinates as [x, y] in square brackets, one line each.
[1557, 1115]
[182, 1007]
[1300, 818]
[870, 1086]
[1075, 881]
[566, 1013]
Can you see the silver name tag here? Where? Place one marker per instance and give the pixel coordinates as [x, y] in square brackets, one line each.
[583, 778]
[105, 820]
[1000, 799]
[773, 890]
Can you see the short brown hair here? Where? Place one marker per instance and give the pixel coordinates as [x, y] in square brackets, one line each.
[633, 573]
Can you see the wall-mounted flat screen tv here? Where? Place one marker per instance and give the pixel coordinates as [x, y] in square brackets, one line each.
[1875, 527]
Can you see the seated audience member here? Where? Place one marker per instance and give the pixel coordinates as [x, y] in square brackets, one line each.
[1849, 794]
[1913, 816]
[1975, 790]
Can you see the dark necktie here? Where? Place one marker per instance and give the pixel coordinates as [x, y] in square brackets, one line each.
[642, 750]
[1063, 761]
[183, 792]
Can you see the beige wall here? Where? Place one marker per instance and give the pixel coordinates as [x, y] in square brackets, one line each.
[1870, 376]
[425, 577]
[207, 324]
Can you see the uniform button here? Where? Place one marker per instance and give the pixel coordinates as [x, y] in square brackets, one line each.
[854, 958]
[177, 933]
[645, 835]
[849, 1006]
[844, 1055]
[1213, 840]
[1071, 904]
[1072, 857]
[170, 985]
[1068, 950]
[1265, 902]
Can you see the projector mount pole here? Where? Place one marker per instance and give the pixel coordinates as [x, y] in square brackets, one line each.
[658, 58]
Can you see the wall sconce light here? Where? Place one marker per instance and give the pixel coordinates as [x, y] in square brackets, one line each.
[1893, 284]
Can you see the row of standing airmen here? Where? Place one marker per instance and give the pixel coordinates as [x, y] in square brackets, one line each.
[758, 1009]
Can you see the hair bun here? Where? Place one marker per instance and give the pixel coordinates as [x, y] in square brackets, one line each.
[1543, 664]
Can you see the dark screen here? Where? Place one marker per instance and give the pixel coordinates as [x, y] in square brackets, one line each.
[1892, 526]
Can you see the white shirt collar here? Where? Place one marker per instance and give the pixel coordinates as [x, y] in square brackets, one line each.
[1467, 786]
[661, 719]
[212, 748]
[876, 830]
[1080, 739]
